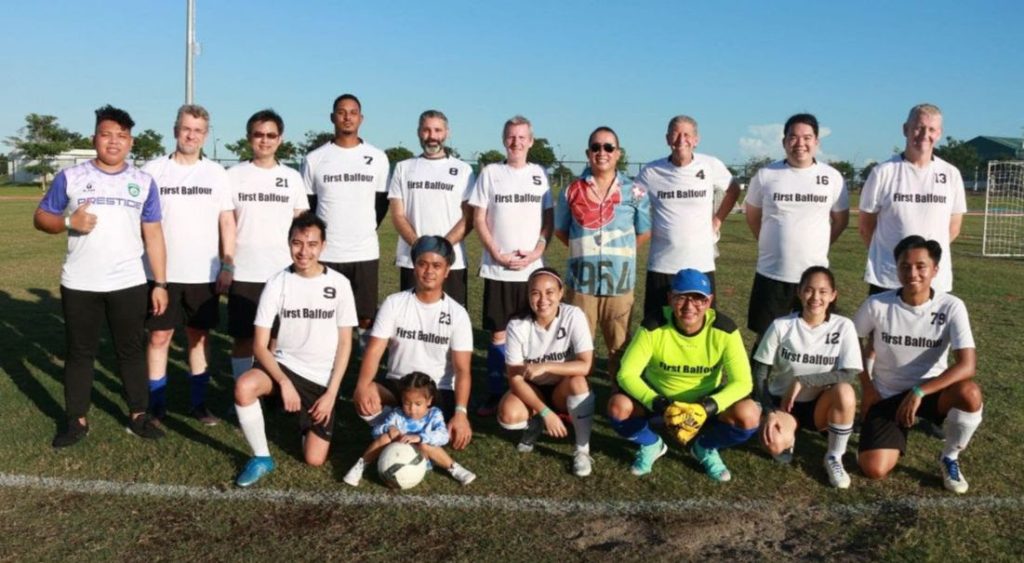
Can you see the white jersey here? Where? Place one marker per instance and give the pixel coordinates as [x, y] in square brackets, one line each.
[265, 200]
[528, 343]
[682, 209]
[421, 336]
[346, 183]
[795, 216]
[109, 257]
[793, 349]
[310, 311]
[432, 192]
[192, 198]
[911, 201]
[911, 343]
[515, 199]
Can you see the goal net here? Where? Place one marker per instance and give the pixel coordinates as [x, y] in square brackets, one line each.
[1004, 210]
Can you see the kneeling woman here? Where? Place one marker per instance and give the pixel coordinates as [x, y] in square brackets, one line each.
[803, 368]
[548, 357]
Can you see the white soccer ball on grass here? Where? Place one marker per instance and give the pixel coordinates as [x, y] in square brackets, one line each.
[401, 466]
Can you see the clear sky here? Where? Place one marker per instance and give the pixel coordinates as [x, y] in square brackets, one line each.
[740, 68]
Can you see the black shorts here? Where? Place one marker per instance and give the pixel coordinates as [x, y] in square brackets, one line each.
[198, 303]
[502, 301]
[309, 393]
[769, 300]
[880, 431]
[656, 290]
[445, 399]
[243, 300]
[363, 277]
[803, 412]
[455, 286]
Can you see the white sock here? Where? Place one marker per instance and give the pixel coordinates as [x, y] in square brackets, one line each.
[581, 410]
[959, 427]
[250, 418]
[240, 366]
[838, 436]
[513, 425]
[375, 419]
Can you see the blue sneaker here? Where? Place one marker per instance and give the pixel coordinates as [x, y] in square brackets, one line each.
[254, 470]
[712, 462]
[646, 456]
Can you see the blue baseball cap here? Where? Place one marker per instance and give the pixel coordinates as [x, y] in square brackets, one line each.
[691, 281]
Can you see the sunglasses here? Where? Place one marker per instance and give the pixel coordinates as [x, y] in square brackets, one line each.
[608, 147]
[262, 135]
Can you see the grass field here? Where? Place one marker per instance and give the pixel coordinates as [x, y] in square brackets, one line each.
[117, 497]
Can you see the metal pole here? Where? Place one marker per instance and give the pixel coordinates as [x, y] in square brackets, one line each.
[190, 43]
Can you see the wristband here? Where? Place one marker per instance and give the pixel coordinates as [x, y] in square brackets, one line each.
[917, 391]
[67, 222]
[225, 267]
[160, 285]
[544, 412]
[461, 408]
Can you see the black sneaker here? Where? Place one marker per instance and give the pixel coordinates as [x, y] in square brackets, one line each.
[73, 434]
[144, 426]
[203, 414]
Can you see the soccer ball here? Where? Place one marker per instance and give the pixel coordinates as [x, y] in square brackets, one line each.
[401, 466]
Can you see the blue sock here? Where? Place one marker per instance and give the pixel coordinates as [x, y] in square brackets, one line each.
[635, 430]
[198, 384]
[496, 382]
[722, 435]
[158, 396]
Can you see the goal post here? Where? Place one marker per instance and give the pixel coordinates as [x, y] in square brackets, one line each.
[1003, 233]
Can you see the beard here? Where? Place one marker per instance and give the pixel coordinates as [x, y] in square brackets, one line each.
[432, 148]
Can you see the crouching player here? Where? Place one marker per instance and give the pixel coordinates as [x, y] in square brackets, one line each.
[548, 355]
[812, 355]
[678, 362]
[911, 331]
[315, 310]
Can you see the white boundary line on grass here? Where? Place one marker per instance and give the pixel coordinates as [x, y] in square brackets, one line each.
[490, 502]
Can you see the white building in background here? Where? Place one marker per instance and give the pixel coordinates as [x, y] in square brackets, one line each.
[66, 159]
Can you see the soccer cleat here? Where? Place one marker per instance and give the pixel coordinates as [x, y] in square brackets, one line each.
[203, 415]
[646, 456]
[73, 434]
[952, 478]
[711, 462]
[533, 430]
[461, 474]
[255, 469]
[582, 464]
[145, 426]
[785, 457]
[489, 407]
[837, 475]
[355, 475]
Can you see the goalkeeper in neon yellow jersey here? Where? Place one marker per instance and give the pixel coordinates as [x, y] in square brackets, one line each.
[683, 359]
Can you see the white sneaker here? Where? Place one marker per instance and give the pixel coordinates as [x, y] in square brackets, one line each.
[355, 475]
[837, 475]
[533, 430]
[582, 464]
[952, 478]
[461, 474]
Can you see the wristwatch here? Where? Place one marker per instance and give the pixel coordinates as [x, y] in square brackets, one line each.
[161, 285]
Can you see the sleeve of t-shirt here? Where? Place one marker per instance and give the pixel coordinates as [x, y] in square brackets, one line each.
[960, 335]
[307, 176]
[754, 191]
[56, 199]
[383, 169]
[849, 348]
[631, 369]
[957, 191]
[481, 194]
[396, 183]
[640, 182]
[769, 345]
[462, 335]
[298, 190]
[863, 321]
[720, 175]
[384, 322]
[737, 367]
[151, 211]
[562, 216]
[841, 197]
[227, 192]
[582, 341]
[435, 433]
[869, 194]
[346, 312]
[270, 302]
[394, 418]
[514, 353]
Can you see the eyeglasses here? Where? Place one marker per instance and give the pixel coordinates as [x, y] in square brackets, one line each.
[695, 298]
[608, 147]
[262, 135]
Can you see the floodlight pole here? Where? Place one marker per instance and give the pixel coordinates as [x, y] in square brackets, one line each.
[190, 50]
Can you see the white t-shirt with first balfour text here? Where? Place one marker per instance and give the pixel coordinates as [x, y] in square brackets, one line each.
[421, 336]
[192, 198]
[515, 200]
[793, 348]
[529, 343]
[265, 203]
[911, 201]
[346, 183]
[912, 343]
[432, 192]
[310, 311]
[682, 209]
[795, 216]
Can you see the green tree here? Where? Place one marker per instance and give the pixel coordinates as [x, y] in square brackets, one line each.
[241, 148]
[315, 140]
[752, 165]
[147, 146]
[398, 154]
[542, 154]
[623, 164]
[489, 157]
[560, 176]
[41, 140]
[845, 169]
[961, 155]
[866, 171]
[4, 169]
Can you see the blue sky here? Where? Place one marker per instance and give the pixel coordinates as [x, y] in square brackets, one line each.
[740, 68]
